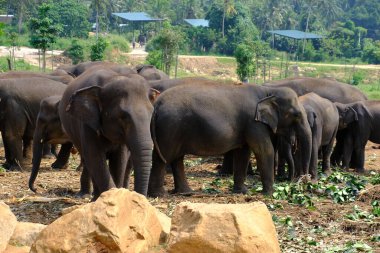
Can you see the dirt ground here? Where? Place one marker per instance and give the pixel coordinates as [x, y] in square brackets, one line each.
[325, 226]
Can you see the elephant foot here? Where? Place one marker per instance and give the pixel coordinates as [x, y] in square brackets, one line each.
[360, 170]
[59, 166]
[12, 167]
[160, 192]
[182, 190]
[267, 191]
[240, 189]
[222, 171]
[83, 194]
[48, 156]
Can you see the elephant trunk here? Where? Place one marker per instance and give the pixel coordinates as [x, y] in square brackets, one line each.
[303, 152]
[38, 144]
[141, 155]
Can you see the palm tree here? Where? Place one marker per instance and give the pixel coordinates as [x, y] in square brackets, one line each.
[228, 10]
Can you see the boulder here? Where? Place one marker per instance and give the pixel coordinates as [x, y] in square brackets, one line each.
[165, 223]
[26, 233]
[15, 249]
[217, 228]
[118, 221]
[8, 223]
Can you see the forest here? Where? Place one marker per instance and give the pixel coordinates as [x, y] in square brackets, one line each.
[351, 28]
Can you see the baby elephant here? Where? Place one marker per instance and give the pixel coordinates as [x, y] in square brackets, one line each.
[323, 118]
[49, 130]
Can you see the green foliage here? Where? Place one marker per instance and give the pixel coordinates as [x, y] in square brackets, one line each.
[167, 41]
[359, 214]
[357, 77]
[19, 65]
[75, 52]
[43, 30]
[73, 16]
[245, 62]
[155, 58]
[98, 49]
[119, 43]
[350, 247]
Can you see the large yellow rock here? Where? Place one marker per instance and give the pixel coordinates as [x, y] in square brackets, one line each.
[15, 249]
[25, 233]
[118, 221]
[217, 228]
[8, 222]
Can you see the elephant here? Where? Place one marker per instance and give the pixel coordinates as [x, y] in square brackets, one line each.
[80, 68]
[107, 116]
[63, 78]
[212, 119]
[325, 87]
[150, 73]
[19, 105]
[360, 121]
[323, 118]
[49, 130]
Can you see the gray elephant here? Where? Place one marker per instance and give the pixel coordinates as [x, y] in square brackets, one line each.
[49, 130]
[323, 118]
[150, 73]
[19, 105]
[360, 121]
[80, 68]
[212, 119]
[63, 78]
[325, 87]
[107, 116]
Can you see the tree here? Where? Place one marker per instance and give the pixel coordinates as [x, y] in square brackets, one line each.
[73, 16]
[245, 62]
[43, 31]
[75, 52]
[98, 49]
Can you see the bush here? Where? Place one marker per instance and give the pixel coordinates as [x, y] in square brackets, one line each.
[98, 49]
[75, 52]
[155, 58]
[357, 78]
[120, 43]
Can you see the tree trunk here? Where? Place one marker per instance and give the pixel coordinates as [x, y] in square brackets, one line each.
[44, 60]
[306, 29]
[20, 17]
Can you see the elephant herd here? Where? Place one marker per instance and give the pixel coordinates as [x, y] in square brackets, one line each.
[121, 118]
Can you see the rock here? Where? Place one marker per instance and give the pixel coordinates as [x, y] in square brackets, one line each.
[239, 228]
[165, 223]
[26, 233]
[118, 221]
[7, 225]
[14, 249]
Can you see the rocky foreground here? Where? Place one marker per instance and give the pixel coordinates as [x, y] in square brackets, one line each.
[124, 221]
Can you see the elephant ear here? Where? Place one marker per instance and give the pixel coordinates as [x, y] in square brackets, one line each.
[266, 112]
[153, 94]
[84, 105]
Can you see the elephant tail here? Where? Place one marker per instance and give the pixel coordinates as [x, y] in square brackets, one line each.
[153, 133]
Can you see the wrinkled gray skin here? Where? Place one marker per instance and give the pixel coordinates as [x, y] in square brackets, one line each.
[107, 116]
[361, 121]
[327, 88]
[49, 130]
[63, 78]
[150, 73]
[323, 118]
[214, 119]
[19, 105]
[80, 68]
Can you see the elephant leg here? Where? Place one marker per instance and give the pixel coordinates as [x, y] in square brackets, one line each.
[47, 151]
[85, 183]
[117, 163]
[13, 153]
[347, 152]
[359, 155]
[27, 147]
[95, 161]
[337, 154]
[53, 150]
[128, 173]
[180, 182]
[227, 165]
[264, 152]
[314, 160]
[157, 177]
[326, 156]
[63, 156]
[240, 165]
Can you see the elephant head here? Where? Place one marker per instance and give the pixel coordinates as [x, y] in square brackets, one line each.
[348, 113]
[48, 130]
[119, 111]
[283, 113]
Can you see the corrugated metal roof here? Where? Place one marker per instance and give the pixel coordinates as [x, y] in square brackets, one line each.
[197, 22]
[295, 34]
[136, 16]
